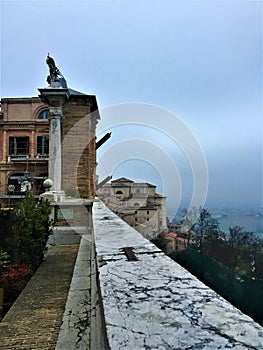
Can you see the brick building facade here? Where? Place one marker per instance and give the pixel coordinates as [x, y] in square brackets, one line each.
[79, 145]
[24, 146]
[24, 132]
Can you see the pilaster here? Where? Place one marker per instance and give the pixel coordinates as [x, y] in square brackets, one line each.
[33, 151]
[5, 147]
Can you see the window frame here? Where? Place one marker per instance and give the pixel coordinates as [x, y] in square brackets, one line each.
[45, 113]
[43, 148]
[16, 147]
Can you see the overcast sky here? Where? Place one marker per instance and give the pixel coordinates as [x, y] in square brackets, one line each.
[199, 60]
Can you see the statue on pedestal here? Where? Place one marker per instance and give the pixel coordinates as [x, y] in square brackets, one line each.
[55, 75]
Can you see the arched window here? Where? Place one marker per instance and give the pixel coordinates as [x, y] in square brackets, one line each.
[119, 194]
[137, 205]
[43, 114]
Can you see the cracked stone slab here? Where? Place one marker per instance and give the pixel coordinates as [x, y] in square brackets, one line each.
[154, 303]
[74, 332]
[75, 329]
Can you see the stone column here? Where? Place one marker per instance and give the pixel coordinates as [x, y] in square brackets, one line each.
[54, 163]
[55, 97]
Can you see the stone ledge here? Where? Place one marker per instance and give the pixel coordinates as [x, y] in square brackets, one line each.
[154, 303]
[75, 329]
[82, 324]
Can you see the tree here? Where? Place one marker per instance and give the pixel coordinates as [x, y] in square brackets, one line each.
[206, 227]
[235, 233]
[189, 218]
[247, 251]
[238, 236]
[30, 231]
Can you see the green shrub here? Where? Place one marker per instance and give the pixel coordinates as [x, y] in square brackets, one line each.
[30, 224]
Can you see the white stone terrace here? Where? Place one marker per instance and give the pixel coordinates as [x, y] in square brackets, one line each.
[154, 303]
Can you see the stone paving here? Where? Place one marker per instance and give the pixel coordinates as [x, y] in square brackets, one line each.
[34, 321]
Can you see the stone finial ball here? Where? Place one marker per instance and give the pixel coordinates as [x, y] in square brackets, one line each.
[48, 183]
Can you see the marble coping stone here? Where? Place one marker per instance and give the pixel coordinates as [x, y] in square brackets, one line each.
[154, 303]
[73, 202]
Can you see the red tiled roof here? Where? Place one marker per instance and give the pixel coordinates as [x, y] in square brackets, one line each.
[170, 235]
[174, 236]
[180, 239]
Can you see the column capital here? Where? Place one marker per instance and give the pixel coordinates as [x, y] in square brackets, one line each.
[55, 112]
[55, 97]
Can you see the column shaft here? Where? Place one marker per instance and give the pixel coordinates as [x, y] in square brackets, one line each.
[54, 166]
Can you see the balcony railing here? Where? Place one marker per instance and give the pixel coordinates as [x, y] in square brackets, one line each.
[23, 158]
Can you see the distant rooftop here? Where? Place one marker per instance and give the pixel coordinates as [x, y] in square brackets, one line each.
[124, 179]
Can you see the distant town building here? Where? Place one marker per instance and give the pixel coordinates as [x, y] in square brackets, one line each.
[174, 243]
[138, 204]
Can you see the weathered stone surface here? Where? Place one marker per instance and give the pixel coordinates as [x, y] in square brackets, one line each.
[82, 325]
[75, 329]
[154, 303]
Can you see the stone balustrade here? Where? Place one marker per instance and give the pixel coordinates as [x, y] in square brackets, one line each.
[154, 303]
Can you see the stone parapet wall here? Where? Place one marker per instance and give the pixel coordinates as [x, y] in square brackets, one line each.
[154, 303]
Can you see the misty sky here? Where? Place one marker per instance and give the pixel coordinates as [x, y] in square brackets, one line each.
[199, 60]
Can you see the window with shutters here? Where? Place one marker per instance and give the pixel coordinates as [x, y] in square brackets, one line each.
[42, 145]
